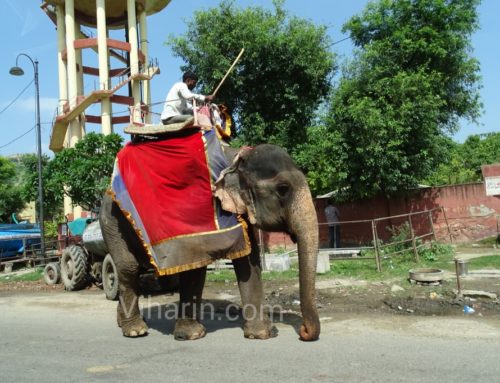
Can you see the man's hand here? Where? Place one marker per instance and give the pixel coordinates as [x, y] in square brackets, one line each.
[209, 98]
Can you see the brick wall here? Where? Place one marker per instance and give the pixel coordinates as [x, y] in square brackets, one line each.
[471, 215]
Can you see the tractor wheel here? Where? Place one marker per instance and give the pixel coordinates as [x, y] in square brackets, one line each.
[52, 273]
[109, 278]
[74, 268]
[96, 274]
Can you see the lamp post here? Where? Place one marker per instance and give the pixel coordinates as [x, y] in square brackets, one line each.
[18, 71]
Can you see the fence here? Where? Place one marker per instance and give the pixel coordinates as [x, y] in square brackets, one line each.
[402, 233]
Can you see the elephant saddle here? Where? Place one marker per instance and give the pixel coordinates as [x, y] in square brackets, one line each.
[164, 188]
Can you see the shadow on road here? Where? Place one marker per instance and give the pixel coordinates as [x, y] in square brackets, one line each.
[215, 314]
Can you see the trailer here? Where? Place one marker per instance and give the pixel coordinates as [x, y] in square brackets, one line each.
[18, 244]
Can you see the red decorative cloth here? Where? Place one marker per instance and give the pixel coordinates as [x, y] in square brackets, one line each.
[164, 188]
[169, 180]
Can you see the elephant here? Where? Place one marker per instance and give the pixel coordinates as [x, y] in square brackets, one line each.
[268, 189]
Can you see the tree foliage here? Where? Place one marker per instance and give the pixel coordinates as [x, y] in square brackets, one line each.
[465, 160]
[411, 80]
[11, 200]
[282, 77]
[322, 158]
[85, 169]
[52, 189]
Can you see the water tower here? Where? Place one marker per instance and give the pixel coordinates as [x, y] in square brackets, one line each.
[122, 65]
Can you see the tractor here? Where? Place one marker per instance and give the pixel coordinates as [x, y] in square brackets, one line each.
[85, 260]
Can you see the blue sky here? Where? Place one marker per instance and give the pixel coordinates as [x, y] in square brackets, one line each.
[26, 29]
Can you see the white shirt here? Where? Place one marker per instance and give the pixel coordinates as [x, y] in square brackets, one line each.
[179, 101]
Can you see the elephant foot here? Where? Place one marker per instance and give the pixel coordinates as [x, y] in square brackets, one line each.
[189, 329]
[259, 329]
[135, 328]
[132, 327]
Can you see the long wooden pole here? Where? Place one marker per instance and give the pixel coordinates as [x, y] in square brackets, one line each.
[228, 71]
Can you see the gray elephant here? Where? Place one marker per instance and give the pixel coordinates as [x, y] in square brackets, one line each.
[266, 187]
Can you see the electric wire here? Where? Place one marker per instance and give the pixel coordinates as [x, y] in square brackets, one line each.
[339, 41]
[16, 98]
[17, 138]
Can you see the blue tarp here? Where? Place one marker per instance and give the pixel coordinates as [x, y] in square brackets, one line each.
[12, 236]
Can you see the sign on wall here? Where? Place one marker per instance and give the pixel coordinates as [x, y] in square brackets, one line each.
[492, 185]
[491, 174]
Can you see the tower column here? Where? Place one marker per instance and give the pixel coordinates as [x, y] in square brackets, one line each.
[134, 57]
[61, 64]
[146, 88]
[74, 131]
[79, 83]
[106, 126]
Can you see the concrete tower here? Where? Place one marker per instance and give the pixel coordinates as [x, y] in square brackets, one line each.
[77, 21]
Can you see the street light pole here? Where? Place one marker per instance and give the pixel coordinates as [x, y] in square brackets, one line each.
[18, 71]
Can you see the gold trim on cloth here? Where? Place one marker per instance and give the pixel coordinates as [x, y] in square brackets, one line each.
[238, 253]
[129, 218]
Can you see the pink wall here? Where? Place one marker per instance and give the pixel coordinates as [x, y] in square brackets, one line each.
[470, 212]
[471, 215]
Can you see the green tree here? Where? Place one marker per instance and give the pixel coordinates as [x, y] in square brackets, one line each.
[11, 200]
[411, 80]
[322, 158]
[282, 77]
[465, 161]
[85, 169]
[481, 149]
[52, 190]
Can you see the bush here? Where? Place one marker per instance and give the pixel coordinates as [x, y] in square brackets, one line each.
[436, 251]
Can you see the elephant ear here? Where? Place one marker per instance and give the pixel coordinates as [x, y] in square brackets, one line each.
[228, 189]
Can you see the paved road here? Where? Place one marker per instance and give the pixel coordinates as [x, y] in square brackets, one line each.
[72, 337]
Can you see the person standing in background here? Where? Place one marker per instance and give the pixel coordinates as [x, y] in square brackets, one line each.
[332, 215]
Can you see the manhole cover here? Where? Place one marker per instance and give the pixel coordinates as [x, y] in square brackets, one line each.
[427, 275]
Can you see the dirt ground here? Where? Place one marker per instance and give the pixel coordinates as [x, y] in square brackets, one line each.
[346, 296]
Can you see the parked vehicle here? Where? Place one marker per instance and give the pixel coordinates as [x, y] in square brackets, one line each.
[85, 260]
[17, 238]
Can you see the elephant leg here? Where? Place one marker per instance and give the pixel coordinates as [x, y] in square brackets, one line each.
[129, 317]
[116, 229]
[248, 272]
[187, 326]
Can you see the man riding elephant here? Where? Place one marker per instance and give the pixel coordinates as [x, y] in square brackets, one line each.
[178, 104]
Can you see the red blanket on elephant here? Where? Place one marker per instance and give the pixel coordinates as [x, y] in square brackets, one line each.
[164, 188]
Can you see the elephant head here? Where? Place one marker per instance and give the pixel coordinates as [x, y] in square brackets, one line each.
[264, 183]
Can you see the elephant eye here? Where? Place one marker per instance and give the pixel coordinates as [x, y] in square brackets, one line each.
[282, 189]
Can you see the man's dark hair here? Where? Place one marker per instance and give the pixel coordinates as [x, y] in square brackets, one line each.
[189, 75]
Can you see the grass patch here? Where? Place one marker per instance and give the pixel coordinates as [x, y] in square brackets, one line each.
[230, 276]
[221, 276]
[394, 267]
[485, 242]
[34, 275]
[486, 262]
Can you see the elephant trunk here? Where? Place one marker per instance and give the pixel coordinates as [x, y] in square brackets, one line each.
[304, 223]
